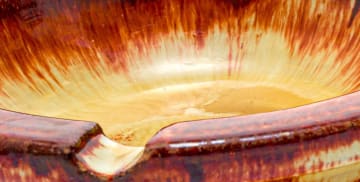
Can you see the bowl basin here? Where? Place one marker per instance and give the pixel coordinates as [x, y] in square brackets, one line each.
[179, 90]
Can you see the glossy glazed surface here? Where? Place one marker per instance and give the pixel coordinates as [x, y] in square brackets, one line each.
[137, 66]
[34, 148]
[270, 145]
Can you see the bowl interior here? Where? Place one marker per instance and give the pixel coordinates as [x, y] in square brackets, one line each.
[137, 66]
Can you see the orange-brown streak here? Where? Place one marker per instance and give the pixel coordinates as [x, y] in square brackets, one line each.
[86, 29]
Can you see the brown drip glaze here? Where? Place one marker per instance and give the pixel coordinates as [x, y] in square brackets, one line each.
[34, 148]
[285, 145]
[23, 133]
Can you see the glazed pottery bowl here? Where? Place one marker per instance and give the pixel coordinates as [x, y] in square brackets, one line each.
[179, 90]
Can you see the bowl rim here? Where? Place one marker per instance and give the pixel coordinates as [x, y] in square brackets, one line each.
[305, 122]
[330, 124]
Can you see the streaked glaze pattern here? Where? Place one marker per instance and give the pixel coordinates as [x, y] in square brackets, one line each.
[34, 148]
[94, 55]
[50, 52]
[26, 133]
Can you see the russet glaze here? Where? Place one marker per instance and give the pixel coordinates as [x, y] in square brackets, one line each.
[179, 90]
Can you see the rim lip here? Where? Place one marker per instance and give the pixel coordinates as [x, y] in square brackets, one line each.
[273, 130]
[172, 140]
[329, 141]
[344, 122]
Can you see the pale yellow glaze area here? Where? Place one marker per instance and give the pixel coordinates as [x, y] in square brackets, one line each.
[132, 109]
[134, 115]
[198, 86]
[347, 173]
[108, 157]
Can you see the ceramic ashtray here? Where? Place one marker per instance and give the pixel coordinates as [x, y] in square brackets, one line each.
[179, 90]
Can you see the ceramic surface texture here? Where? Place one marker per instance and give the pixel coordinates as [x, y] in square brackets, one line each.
[179, 90]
